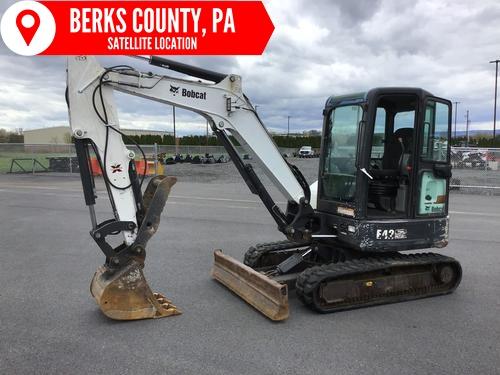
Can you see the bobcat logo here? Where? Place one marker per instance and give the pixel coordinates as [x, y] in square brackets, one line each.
[174, 90]
[116, 168]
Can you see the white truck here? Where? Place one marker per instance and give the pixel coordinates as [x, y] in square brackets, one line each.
[306, 152]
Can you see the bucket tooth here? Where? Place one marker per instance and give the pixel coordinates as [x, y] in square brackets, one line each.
[264, 294]
[125, 294]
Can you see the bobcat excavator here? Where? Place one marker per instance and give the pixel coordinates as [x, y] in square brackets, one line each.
[383, 188]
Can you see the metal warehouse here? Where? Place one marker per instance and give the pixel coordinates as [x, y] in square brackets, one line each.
[62, 134]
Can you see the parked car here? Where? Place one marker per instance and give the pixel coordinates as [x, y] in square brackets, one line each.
[306, 152]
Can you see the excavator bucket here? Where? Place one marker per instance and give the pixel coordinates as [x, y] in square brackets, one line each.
[125, 295]
[263, 293]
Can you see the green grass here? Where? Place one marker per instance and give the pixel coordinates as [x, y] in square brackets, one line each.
[6, 160]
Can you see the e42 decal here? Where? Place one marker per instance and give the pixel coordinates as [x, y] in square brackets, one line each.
[391, 234]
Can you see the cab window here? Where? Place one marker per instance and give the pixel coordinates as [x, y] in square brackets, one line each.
[435, 132]
[339, 168]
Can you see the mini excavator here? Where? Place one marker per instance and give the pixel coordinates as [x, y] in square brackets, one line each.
[382, 189]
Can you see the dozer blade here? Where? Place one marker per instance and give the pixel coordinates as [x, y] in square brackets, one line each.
[125, 294]
[263, 293]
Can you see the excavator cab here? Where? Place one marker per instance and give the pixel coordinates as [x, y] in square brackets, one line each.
[385, 169]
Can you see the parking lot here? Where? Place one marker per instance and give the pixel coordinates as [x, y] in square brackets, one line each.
[49, 323]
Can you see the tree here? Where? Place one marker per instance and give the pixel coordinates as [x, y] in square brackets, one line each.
[10, 137]
[67, 138]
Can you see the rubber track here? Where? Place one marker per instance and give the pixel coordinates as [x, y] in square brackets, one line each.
[254, 253]
[310, 279]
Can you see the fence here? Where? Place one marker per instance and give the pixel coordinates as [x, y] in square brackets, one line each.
[474, 169]
[37, 158]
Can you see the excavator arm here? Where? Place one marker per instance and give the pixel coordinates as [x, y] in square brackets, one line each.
[119, 285]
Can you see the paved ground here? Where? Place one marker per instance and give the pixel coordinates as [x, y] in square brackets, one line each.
[50, 324]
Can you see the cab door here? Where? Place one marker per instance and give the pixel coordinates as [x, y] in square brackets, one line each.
[338, 168]
[434, 168]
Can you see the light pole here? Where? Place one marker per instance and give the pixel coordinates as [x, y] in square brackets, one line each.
[288, 133]
[206, 151]
[456, 110]
[467, 129]
[495, 109]
[175, 136]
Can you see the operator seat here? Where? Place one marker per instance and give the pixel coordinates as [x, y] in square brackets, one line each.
[400, 143]
[383, 189]
[406, 158]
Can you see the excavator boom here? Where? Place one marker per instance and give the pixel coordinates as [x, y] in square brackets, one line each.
[119, 286]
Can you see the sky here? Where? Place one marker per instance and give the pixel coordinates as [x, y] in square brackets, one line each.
[319, 48]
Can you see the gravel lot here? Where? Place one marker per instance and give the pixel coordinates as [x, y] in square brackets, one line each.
[223, 173]
[50, 324]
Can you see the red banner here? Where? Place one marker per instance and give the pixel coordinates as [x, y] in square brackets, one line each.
[138, 27]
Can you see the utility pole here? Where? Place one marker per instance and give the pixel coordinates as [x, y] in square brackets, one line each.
[288, 133]
[256, 106]
[456, 110]
[495, 109]
[467, 129]
[207, 138]
[175, 136]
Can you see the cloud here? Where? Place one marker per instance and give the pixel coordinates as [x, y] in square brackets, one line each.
[319, 48]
